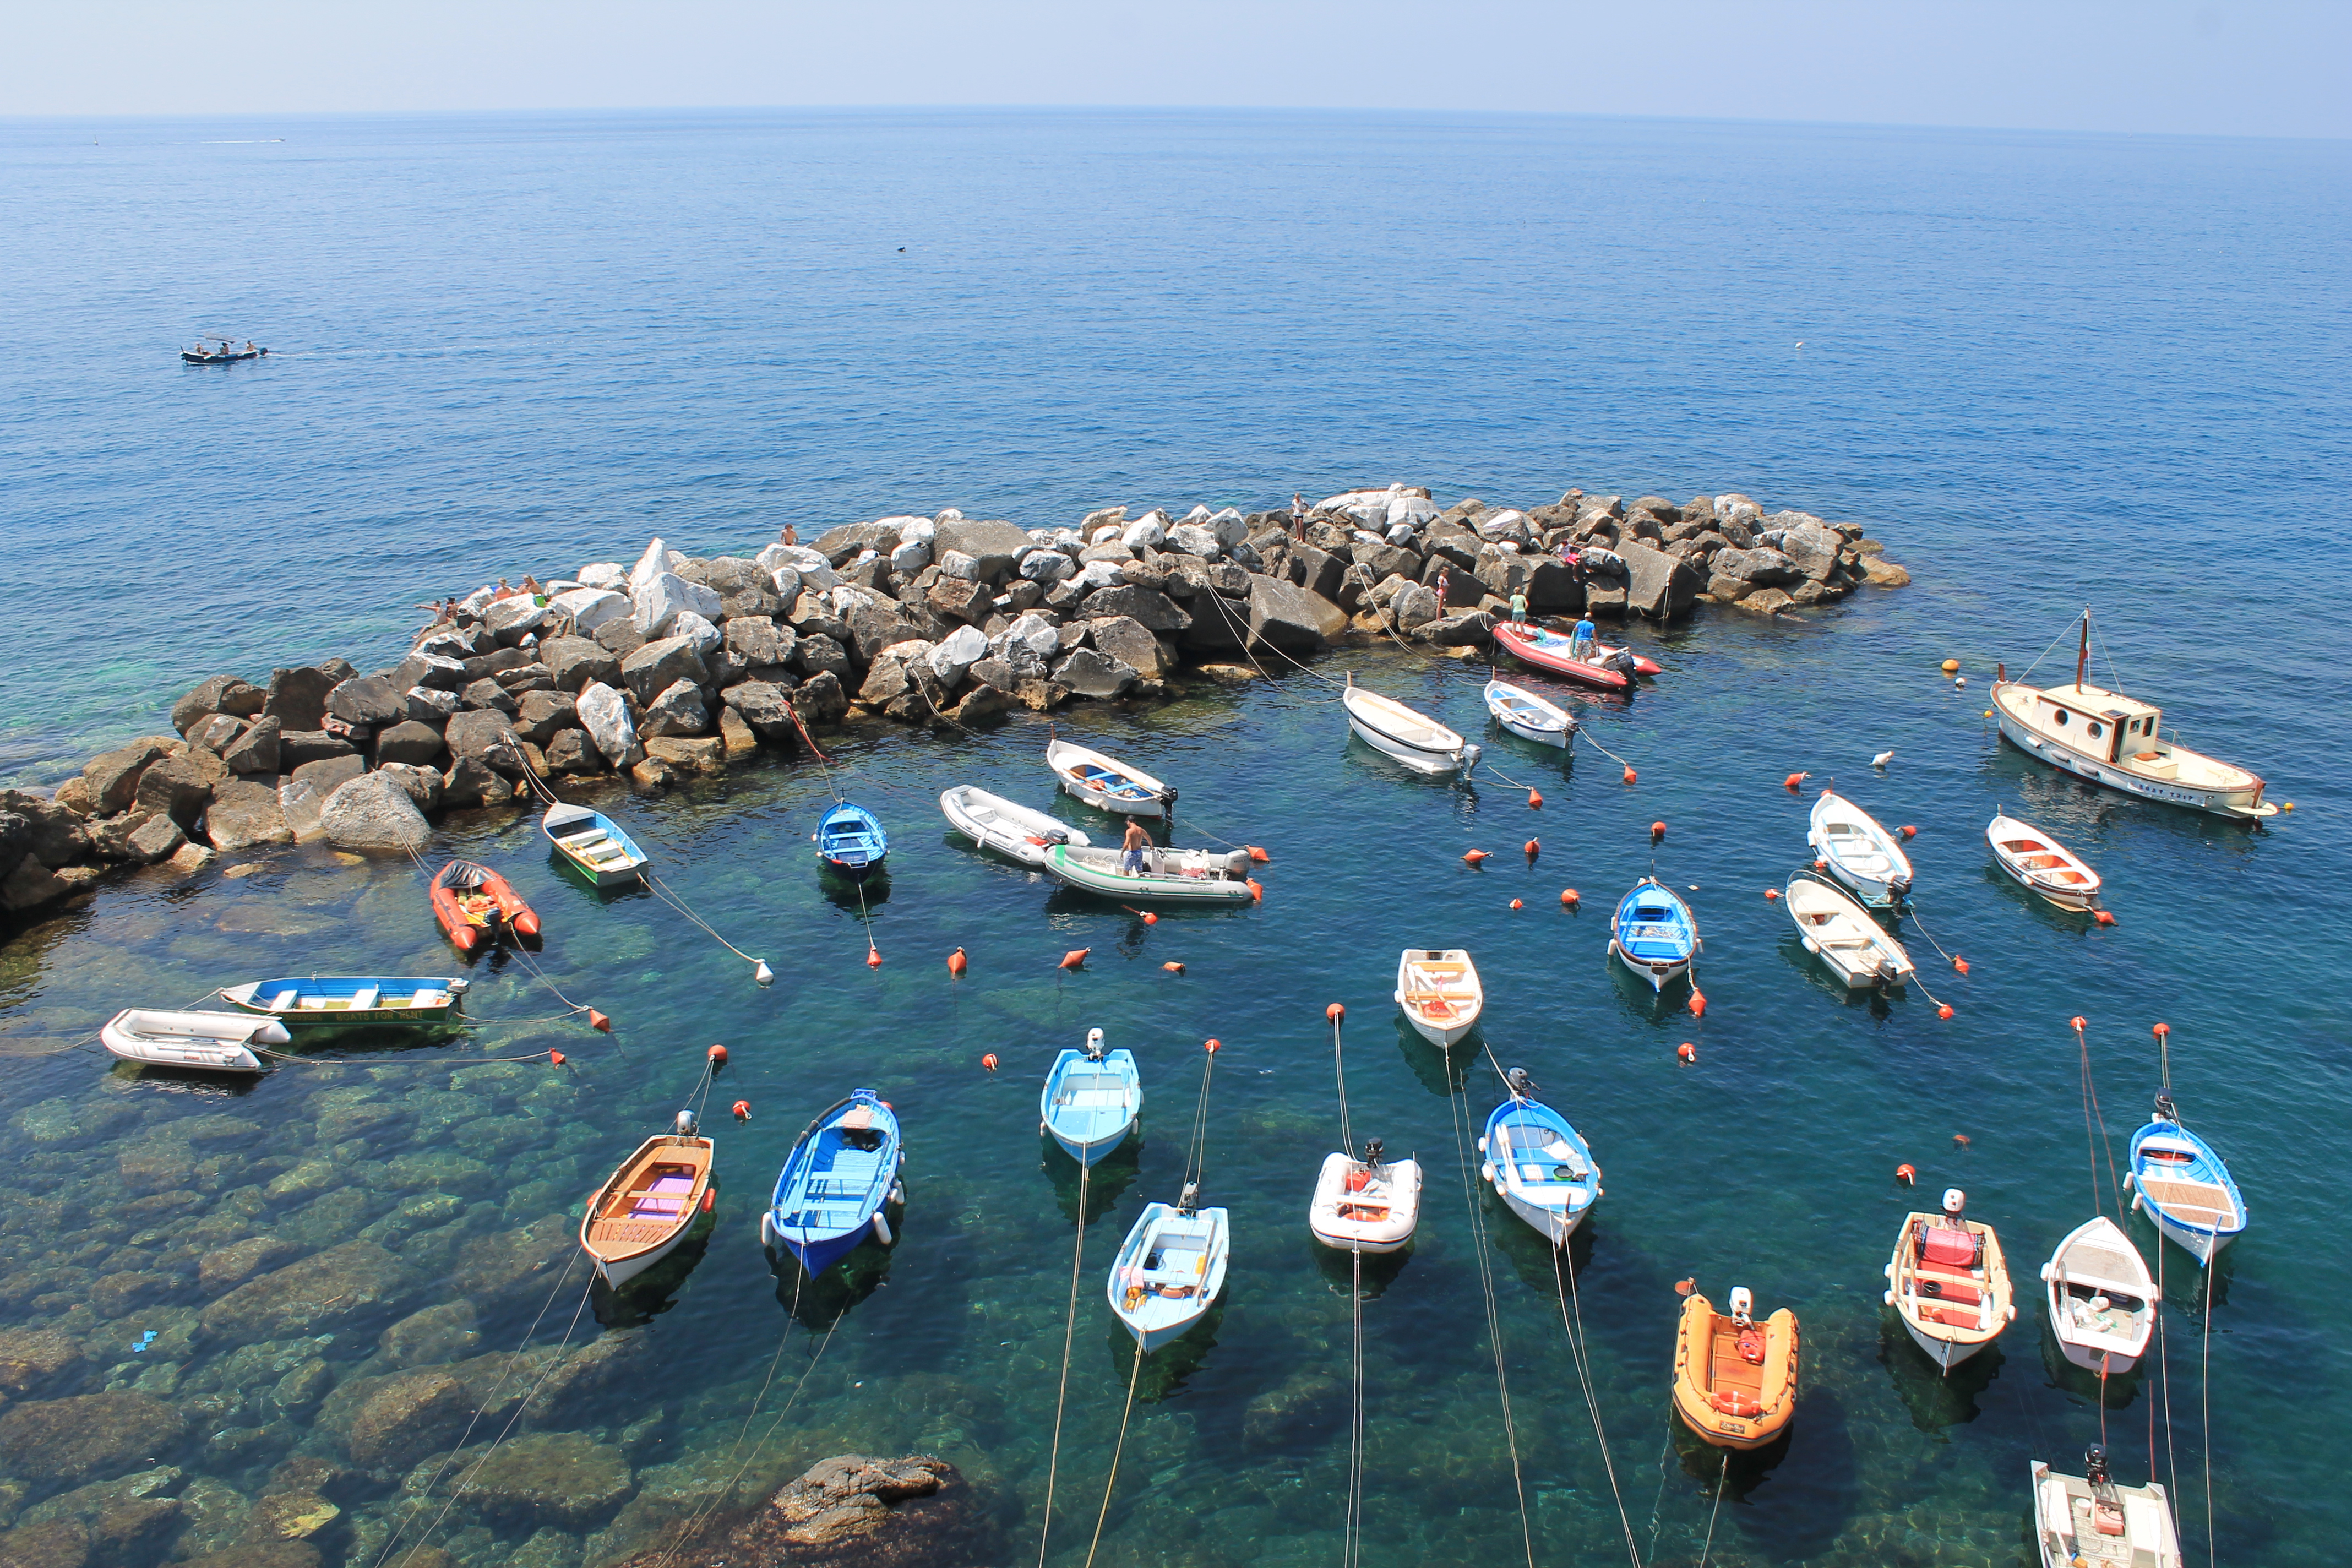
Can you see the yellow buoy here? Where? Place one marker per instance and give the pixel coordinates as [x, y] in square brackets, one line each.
[1950, 665]
[2286, 805]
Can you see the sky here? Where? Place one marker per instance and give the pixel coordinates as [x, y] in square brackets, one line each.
[2235, 68]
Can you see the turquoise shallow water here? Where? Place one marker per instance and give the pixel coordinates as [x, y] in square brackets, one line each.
[2044, 370]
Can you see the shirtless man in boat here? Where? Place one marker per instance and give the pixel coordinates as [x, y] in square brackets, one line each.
[1133, 844]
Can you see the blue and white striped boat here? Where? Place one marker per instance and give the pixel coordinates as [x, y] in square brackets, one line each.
[836, 1184]
[1654, 933]
[1540, 1166]
[318, 1000]
[1091, 1099]
[850, 840]
[2182, 1183]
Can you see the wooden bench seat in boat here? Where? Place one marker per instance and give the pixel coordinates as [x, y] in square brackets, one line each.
[2199, 1203]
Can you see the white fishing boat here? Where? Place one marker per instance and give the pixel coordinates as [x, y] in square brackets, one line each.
[638, 1218]
[994, 823]
[1106, 782]
[2089, 1521]
[1840, 934]
[1537, 1162]
[218, 1042]
[1529, 717]
[2102, 1298]
[2117, 741]
[1169, 1270]
[2041, 865]
[1858, 852]
[1440, 992]
[1370, 1205]
[1949, 1282]
[1418, 741]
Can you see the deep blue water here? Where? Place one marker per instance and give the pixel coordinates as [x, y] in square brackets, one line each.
[2046, 371]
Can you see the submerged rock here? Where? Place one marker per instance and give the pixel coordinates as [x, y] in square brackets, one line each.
[407, 1417]
[857, 1511]
[89, 1435]
[34, 1359]
[560, 1477]
[339, 1286]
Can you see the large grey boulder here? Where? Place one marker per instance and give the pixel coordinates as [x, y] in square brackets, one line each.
[179, 786]
[440, 671]
[589, 608]
[1047, 566]
[1757, 568]
[766, 706]
[878, 623]
[1813, 547]
[431, 708]
[958, 652]
[1414, 606]
[327, 773]
[761, 640]
[471, 782]
[1193, 539]
[56, 835]
[821, 698]
[1130, 643]
[659, 666]
[512, 618]
[698, 630]
[227, 694]
[297, 697]
[660, 601]
[1657, 584]
[154, 838]
[992, 545]
[489, 694]
[256, 751]
[574, 662]
[1088, 672]
[112, 777]
[369, 703]
[1284, 616]
[29, 885]
[296, 748]
[373, 811]
[542, 714]
[604, 714]
[572, 751]
[243, 813]
[217, 733]
[676, 709]
[1148, 608]
[479, 734]
[409, 742]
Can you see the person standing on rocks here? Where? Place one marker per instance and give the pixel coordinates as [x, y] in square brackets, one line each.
[1445, 577]
[1297, 515]
[1134, 844]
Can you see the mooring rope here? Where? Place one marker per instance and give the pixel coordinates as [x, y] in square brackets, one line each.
[1460, 1104]
[1117, 1450]
[1062, 1394]
[1721, 1475]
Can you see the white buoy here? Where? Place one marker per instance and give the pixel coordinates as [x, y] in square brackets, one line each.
[1880, 759]
[762, 972]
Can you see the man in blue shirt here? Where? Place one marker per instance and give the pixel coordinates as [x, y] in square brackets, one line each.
[1581, 641]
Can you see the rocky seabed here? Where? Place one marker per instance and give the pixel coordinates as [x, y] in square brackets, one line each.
[665, 669]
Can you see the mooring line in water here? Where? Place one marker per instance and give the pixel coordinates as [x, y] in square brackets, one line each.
[1117, 1450]
[1721, 1475]
[2090, 1110]
[2205, 1398]
[1459, 1102]
[1069, 1337]
[661, 891]
[1352, 1530]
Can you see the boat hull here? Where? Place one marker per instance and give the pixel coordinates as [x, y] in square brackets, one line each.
[1697, 1382]
[1529, 717]
[2246, 803]
[1415, 757]
[208, 1042]
[2174, 1210]
[1139, 794]
[1138, 1292]
[1079, 871]
[1090, 1121]
[1008, 828]
[259, 997]
[1538, 656]
[1946, 1353]
[567, 828]
[693, 1155]
[2200, 1242]
[1378, 1216]
[1658, 975]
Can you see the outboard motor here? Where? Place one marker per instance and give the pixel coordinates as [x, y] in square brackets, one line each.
[1094, 1045]
[1168, 800]
[1237, 865]
[1955, 1201]
[1519, 1083]
[1898, 889]
[1743, 1307]
[1470, 755]
[1374, 1150]
[2165, 1109]
[685, 1125]
[1189, 1201]
[1622, 661]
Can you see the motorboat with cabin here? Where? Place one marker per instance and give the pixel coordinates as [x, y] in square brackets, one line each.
[1368, 1205]
[2102, 1298]
[2117, 741]
[1735, 1378]
[1417, 741]
[1949, 1282]
[2089, 1521]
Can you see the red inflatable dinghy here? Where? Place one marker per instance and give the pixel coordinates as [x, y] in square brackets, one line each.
[475, 905]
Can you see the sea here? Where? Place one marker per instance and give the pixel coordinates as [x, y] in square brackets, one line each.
[2050, 372]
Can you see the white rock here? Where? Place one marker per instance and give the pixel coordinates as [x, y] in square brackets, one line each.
[958, 652]
[1230, 527]
[846, 597]
[1199, 514]
[949, 515]
[1145, 533]
[1495, 522]
[475, 603]
[298, 803]
[373, 812]
[915, 530]
[609, 575]
[1350, 499]
[1104, 533]
[1040, 636]
[1102, 574]
[513, 616]
[696, 629]
[787, 584]
[912, 556]
[590, 608]
[1414, 510]
[1047, 566]
[662, 596]
[650, 565]
[1401, 533]
[604, 714]
[554, 585]
[955, 563]
[1365, 536]
[1194, 540]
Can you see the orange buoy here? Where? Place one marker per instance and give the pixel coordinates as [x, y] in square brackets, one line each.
[1149, 919]
[1961, 1139]
[1907, 1175]
[1475, 857]
[1076, 957]
[1335, 1012]
[1959, 963]
[1258, 856]
[989, 1061]
[1211, 1046]
[957, 962]
[2101, 917]
[1534, 848]
[1820, 865]
[1684, 1287]
[1698, 1003]
[1569, 897]
[2078, 1022]
[1256, 887]
[1173, 967]
[1657, 831]
[1909, 831]
[1146, 916]
[872, 957]
[599, 1022]
[1629, 776]
[2161, 1030]
[1793, 780]
[1951, 667]
[1516, 904]
[1535, 799]
[717, 1055]
[1770, 894]
[1945, 1011]
[742, 1111]
[555, 1059]
[1687, 1051]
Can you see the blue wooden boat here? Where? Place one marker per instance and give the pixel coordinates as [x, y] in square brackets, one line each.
[311, 1001]
[2182, 1183]
[593, 844]
[1170, 1270]
[1654, 933]
[836, 1183]
[1091, 1099]
[850, 840]
[1540, 1165]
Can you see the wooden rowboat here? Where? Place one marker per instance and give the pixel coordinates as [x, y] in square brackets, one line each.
[1106, 782]
[1949, 1282]
[2041, 864]
[1654, 933]
[593, 844]
[2102, 1298]
[1858, 852]
[638, 1218]
[2182, 1183]
[1529, 717]
[1091, 1099]
[850, 840]
[2089, 1521]
[1169, 1270]
[1538, 1163]
[1440, 992]
[1840, 934]
[324, 1001]
[216, 1041]
[1735, 1379]
[1419, 742]
[836, 1183]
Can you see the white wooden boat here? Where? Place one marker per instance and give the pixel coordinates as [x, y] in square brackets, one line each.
[1840, 934]
[2089, 1521]
[1440, 992]
[219, 1042]
[1370, 1205]
[2041, 865]
[1169, 1270]
[1418, 741]
[2117, 741]
[2102, 1298]
[1538, 1163]
[1169, 875]
[593, 844]
[994, 823]
[638, 1218]
[1859, 852]
[1529, 717]
[1106, 782]
[1949, 1283]
[320, 1001]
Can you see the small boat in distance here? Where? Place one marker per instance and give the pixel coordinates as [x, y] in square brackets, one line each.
[2040, 864]
[1091, 1099]
[1529, 717]
[638, 1218]
[1735, 1379]
[994, 823]
[2116, 740]
[1370, 1205]
[476, 907]
[1858, 852]
[1169, 875]
[836, 1183]
[1949, 1283]
[1421, 743]
[2180, 1183]
[227, 353]
[1440, 992]
[850, 840]
[1609, 668]
[2102, 1298]
[326, 1000]
[1540, 1166]
[1840, 934]
[218, 1042]
[594, 843]
[1106, 782]
[2088, 1521]
[1170, 1268]
[1654, 933]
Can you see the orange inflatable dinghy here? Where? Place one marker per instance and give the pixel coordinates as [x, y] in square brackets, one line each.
[1735, 1378]
[475, 905]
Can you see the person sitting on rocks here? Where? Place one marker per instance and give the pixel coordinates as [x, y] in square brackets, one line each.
[1134, 844]
[1581, 641]
[530, 585]
[505, 591]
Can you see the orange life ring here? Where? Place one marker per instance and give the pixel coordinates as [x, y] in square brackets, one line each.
[1732, 1401]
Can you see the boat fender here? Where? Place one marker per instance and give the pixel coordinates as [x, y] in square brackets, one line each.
[1482, 1145]
[2045, 1274]
[1487, 1172]
[709, 1199]
[1257, 889]
[2011, 1314]
[1888, 1298]
[882, 1229]
[767, 1230]
[1258, 855]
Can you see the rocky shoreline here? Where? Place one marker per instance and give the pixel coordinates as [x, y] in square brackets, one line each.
[666, 669]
